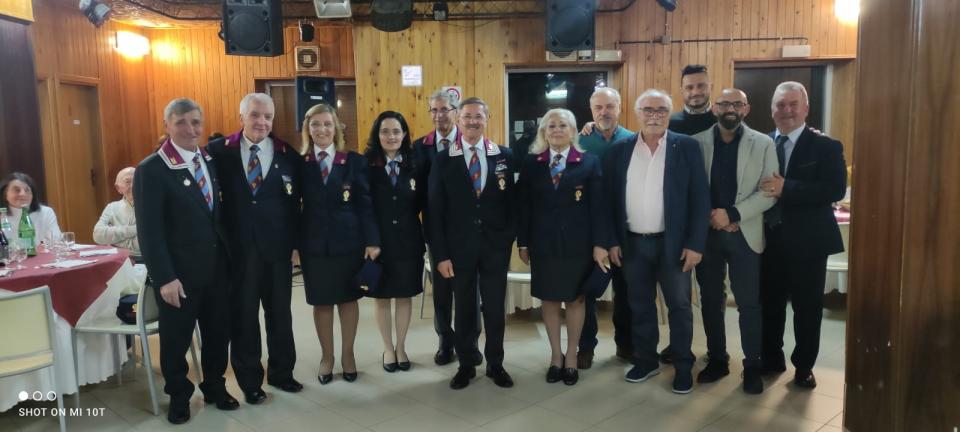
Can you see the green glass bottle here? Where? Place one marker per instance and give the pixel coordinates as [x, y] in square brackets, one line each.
[27, 233]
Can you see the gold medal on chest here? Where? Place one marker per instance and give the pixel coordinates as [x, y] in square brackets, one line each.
[577, 195]
[186, 182]
[413, 184]
[502, 182]
[346, 195]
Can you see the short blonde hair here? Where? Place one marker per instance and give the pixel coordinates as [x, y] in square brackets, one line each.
[307, 141]
[540, 144]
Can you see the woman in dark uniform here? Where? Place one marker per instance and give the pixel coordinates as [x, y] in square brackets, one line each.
[338, 232]
[560, 208]
[398, 186]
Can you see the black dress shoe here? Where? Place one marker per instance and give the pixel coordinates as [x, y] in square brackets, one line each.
[500, 377]
[325, 378]
[462, 378]
[443, 356]
[554, 374]
[350, 376]
[290, 386]
[715, 370]
[179, 412]
[255, 397]
[477, 359]
[404, 365]
[773, 368]
[389, 367]
[666, 357]
[570, 376]
[225, 402]
[805, 379]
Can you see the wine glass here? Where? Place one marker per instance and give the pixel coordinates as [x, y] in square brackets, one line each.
[56, 246]
[17, 255]
[69, 239]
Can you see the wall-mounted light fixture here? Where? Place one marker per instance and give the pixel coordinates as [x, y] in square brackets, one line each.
[847, 11]
[132, 45]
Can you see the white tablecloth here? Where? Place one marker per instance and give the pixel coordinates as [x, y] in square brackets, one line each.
[94, 350]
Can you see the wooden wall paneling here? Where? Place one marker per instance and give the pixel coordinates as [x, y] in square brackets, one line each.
[871, 401]
[930, 300]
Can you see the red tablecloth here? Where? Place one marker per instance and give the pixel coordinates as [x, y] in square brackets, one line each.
[72, 290]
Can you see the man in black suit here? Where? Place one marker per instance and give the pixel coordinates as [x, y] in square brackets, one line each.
[801, 232]
[660, 209]
[185, 248]
[443, 113]
[258, 175]
[472, 227]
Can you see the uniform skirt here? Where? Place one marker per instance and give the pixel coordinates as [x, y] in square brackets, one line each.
[400, 279]
[330, 280]
[559, 279]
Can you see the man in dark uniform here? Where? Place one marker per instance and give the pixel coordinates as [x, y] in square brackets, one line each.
[258, 174]
[801, 232]
[443, 112]
[184, 246]
[471, 206]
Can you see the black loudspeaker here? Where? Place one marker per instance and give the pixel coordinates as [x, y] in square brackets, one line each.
[392, 15]
[570, 25]
[253, 27]
[312, 91]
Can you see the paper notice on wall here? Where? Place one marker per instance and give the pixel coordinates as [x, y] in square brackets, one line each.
[411, 75]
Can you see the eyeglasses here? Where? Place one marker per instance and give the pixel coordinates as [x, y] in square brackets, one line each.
[441, 111]
[655, 112]
[726, 105]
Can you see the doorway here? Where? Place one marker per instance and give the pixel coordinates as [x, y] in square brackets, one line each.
[760, 82]
[80, 158]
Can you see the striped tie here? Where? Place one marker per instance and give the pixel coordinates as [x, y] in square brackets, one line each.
[254, 170]
[321, 158]
[556, 171]
[202, 181]
[393, 173]
[474, 170]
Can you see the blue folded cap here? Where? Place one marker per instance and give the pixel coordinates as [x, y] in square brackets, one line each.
[596, 284]
[369, 275]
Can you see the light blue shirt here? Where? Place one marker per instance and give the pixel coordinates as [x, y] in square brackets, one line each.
[481, 154]
[450, 138]
[331, 153]
[265, 154]
[563, 160]
[187, 156]
[788, 146]
[399, 160]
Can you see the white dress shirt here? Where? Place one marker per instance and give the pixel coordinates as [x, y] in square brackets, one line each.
[450, 138]
[481, 154]
[399, 160]
[187, 156]
[644, 200]
[265, 154]
[788, 146]
[563, 160]
[45, 226]
[118, 226]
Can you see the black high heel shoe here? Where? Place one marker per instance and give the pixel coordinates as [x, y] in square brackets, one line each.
[570, 376]
[403, 365]
[350, 376]
[389, 367]
[555, 373]
[325, 378]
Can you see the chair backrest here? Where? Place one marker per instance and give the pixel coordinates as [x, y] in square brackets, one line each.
[147, 310]
[28, 317]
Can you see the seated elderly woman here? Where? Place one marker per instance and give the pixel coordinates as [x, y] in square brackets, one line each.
[118, 223]
[16, 194]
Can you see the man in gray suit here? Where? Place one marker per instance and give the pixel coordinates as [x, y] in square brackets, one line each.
[736, 159]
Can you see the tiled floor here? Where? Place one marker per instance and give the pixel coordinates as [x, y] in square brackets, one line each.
[421, 401]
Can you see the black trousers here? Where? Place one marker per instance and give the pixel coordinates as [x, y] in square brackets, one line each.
[259, 281]
[210, 306]
[785, 276]
[645, 263]
[730, 249]
[621, 316]
[443, 310]
[486, 272]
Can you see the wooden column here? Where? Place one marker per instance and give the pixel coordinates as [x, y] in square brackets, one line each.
[20, 135]
[903, 333]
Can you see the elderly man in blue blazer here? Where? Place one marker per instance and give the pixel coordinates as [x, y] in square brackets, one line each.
[660, 214]
[736, 158]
